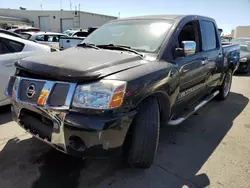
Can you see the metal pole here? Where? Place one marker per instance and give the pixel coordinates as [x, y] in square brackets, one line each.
[61, 4]
[79, 16]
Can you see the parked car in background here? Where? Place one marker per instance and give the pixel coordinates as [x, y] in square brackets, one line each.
[76, 33]
[24, 29]
[244, 58]
[74, 37]
[10, 33]
[12, 49]
[112, 92]
[240, 40]
[47, 38]
[226, 39]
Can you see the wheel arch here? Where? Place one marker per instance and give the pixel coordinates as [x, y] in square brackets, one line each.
[163, 102]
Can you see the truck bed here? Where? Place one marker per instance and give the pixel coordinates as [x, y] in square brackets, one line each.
[231, 52]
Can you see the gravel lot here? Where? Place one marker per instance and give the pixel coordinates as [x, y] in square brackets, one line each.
[211, 149]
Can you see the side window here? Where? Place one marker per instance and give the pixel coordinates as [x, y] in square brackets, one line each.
[40, 38]
[53, 38]
[16, 46]
[191, 32]
[11, 46]
[3, 48]
[209, 34]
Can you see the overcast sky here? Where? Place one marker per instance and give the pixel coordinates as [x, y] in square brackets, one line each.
[228, 13]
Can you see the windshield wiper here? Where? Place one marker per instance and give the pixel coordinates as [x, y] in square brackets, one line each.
[88, 45]
[119, 47]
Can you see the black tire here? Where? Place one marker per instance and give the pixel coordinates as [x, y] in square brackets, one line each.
[228, 78]
[246, 71]
[145, 135]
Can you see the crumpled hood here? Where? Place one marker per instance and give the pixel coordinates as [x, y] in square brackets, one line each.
[80, 64]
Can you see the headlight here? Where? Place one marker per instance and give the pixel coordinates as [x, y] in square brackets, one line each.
[105, 94]
[243, 59]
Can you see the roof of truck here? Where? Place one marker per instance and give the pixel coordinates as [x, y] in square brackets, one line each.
[163, 16]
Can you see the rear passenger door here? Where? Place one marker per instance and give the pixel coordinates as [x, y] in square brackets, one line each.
[212, 56]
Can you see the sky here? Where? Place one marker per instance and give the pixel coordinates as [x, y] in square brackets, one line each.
[227, 13]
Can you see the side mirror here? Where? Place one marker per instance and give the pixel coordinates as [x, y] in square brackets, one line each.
[188, 47]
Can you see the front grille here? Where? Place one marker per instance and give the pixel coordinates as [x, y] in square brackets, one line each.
[23, 87]
[58, 94]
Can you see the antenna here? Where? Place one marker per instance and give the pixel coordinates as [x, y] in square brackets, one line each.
[61, 4]
[41, 5]
[70, 4]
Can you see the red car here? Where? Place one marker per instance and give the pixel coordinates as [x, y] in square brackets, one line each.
[20, 30]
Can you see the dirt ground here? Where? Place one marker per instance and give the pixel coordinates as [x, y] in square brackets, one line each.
[211, 149]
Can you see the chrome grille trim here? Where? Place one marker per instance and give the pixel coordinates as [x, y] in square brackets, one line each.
[48, 86]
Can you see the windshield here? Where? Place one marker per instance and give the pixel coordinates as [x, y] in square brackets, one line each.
[69, 32]
[244, 48]
[141, 35]
[25, 35]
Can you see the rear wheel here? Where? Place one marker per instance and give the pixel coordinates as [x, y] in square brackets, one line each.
[145, 135]
[247, 68]
[226, 86]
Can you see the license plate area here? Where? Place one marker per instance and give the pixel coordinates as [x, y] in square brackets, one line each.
[36, 124]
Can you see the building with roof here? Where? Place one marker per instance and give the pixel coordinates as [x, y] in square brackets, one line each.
[241, 31]
[58, 20]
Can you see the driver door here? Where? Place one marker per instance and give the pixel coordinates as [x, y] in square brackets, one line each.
[192, 69]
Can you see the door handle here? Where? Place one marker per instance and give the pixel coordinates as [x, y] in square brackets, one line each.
[183, 70]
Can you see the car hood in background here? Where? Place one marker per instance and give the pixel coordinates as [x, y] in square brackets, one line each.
[80, 64]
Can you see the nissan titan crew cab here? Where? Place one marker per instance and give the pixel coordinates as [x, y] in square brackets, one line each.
[111, 93]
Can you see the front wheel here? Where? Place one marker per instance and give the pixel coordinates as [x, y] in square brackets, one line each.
[145, 135]
[226, 86]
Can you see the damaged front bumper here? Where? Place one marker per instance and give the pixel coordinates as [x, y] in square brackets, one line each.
[74, 133]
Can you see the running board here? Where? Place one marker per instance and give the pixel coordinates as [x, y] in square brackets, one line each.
[181, 119]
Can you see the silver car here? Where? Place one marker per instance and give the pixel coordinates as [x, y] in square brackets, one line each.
[11, 50]
[47, 38]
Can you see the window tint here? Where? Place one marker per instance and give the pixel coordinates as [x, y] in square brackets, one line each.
[12, 46]
[81, 34]
[3, 48]
[210, 35]
[40, 38]
[16, 46]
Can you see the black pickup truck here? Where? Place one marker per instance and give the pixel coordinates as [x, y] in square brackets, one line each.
[110, 94]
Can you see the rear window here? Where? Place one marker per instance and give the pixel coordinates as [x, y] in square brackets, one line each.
[81, 34]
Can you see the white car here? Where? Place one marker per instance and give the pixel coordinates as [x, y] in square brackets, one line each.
[11, 50]
[47, 38]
